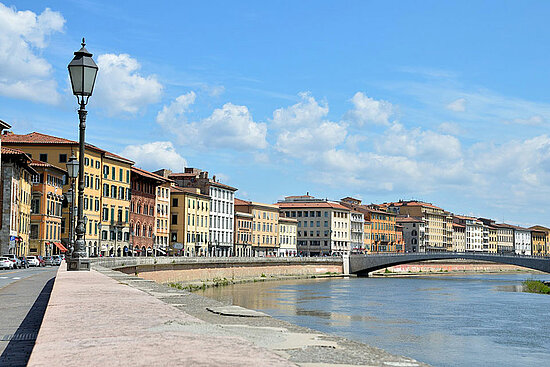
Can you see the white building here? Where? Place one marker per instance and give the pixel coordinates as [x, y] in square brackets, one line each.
[288, 228]
[222, 208]
[522, 240]
[473, 234]
[357, 232]
[323, 226]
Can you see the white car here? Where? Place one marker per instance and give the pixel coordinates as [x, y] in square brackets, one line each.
[33, 261]
[5, 263]
[14, 260]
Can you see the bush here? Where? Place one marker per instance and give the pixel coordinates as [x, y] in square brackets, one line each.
[536, 286]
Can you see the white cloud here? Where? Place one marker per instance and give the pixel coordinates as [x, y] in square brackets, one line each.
[155, 155]
[533, 121]
[303, 130]
[449, 128]
[368, 110]
[231, 126]
[458, 105]
[23, 73]
[120, 89]
[307, 112]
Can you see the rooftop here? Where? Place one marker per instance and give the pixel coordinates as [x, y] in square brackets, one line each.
[148, 174]
[315, 204]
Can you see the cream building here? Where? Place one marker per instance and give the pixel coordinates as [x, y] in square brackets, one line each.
[265, 230]
[324, 227]
[288, 228]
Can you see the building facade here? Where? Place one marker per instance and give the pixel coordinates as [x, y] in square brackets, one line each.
[357, 232]
[103, 229]
[46, 210]
[243, 234]
[542, 240]
[473, 233]
[16, 202]
[265, 230]
[189, 223]
[222, 213]
[522, 240]
[323, 227]
[459, 238]
[413, 233]
[438, 222]
[288, 228]
[145, 210]
[505, 238]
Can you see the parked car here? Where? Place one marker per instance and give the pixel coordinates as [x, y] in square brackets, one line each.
[5, 263]
[33, 261]
[56, 260]
[41, 261]
[48, 260]
[24, 263]
[16, 262]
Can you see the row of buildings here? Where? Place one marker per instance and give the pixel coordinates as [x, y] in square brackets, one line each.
[133, 212]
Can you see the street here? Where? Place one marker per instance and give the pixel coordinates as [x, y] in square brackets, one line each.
[24, 295]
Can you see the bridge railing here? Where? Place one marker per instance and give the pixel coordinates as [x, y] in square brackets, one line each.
[454, 254]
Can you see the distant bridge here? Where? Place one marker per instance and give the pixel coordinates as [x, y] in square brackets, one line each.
[364, 264]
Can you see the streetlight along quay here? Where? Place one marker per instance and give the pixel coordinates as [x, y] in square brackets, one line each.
[72, 169]
[82, 71]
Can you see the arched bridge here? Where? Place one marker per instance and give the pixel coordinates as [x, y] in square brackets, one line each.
[363, 264]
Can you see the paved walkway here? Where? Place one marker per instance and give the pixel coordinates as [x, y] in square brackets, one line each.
[94, 320]
[24, 296]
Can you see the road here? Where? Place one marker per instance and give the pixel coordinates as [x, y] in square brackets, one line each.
[24, 295]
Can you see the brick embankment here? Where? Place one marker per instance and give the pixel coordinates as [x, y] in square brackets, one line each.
[107, 318]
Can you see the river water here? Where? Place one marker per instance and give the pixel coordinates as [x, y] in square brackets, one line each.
[466, 320]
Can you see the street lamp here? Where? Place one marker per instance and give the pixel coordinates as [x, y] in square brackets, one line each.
[83, 72]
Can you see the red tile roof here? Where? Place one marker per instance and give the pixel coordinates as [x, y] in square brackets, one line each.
[148, 174]
[35, 138]
[12, 151]
[36, 163]
[408, 219]
[242, 202]
[39, 138]
[411, 203]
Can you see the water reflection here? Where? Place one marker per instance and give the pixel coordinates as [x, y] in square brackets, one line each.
[445, 321]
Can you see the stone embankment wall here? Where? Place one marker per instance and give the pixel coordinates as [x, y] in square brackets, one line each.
[453, 267]
[167, 269]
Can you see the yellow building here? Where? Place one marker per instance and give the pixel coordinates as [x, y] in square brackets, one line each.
[265, 231]
[46, 209]
[243, 234]
[103, 228]
[115, 206]
[438, 222]
[16, 202]
[189, 221]
[540, 241]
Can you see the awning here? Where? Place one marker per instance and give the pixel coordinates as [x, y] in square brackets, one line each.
[60, 246]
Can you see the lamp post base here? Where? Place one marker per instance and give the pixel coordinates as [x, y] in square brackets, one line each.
[79, 264]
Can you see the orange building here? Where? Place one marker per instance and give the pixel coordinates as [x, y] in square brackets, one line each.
[46, 204]
[381, 232]
[243, 234]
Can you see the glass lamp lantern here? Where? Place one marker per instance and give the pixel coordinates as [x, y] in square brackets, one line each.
[72, 167]
[82, 71]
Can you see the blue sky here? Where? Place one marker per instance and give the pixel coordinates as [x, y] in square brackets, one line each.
[445, 102]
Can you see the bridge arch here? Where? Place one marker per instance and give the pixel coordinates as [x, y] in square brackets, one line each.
[361, 265]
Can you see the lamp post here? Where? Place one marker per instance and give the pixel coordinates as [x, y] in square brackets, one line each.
[83, 72]
[72, 170]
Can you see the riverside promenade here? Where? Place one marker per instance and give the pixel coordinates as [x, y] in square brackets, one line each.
[108, 318]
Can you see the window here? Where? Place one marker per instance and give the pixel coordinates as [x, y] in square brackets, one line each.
[35, 206]
[105, 190]
[105, 171]
[113, 191]
[127, 176]
[175, 203]
[104, 235]
[120, 174]
[34, 231]
[113, 173]
[174, 219]
[97, 164]
[43, 157]
[105, 215]
[63, 158]
[86, 161]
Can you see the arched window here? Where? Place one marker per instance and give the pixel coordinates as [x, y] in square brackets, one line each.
[144, 230]
[414, 232]
[413, 241]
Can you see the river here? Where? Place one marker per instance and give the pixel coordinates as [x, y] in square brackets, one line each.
[463, 320]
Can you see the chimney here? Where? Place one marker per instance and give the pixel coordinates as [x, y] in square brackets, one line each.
[214, 178]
